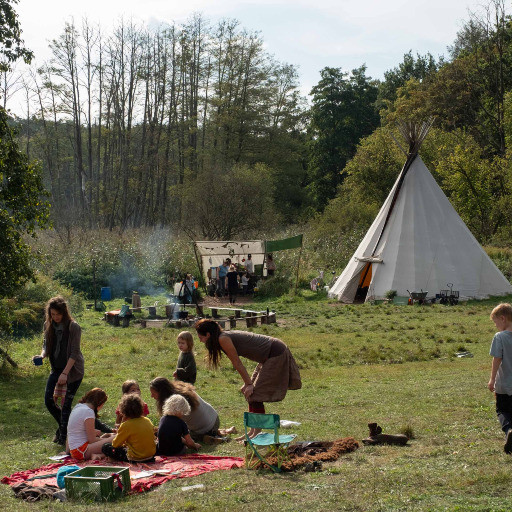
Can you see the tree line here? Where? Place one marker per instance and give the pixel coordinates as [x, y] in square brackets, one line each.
[197, 126]
[130, 126]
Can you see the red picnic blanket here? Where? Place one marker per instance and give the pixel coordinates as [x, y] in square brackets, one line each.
[178, 467]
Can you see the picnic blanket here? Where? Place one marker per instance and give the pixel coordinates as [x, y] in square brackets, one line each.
[176, 467]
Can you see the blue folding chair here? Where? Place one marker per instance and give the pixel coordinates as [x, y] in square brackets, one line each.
[276, 445]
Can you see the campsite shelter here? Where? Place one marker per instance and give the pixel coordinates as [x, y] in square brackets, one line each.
[418, 243]
[211, 254]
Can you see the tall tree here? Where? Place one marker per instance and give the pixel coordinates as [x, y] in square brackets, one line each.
[343, 112]
[419, 68]
[22, 207]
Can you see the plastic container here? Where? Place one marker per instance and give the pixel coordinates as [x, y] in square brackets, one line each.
[105, 293]
[98, 483]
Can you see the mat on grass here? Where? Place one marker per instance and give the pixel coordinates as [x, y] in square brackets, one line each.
[174, 467]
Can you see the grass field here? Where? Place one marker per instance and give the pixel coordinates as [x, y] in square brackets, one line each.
[392, 364]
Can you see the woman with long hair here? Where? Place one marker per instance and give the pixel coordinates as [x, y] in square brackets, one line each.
[202, 420]
[61, 346]
[84, 441]
[275, 373]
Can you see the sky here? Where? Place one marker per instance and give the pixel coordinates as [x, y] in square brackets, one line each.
[311, 34]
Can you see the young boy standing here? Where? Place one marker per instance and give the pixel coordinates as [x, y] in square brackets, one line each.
[501, 372]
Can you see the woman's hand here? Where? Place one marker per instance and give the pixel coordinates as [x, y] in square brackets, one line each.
[63, 378]
[247, 390]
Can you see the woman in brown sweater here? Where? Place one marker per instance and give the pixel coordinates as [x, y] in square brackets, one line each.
[62, 347]
[275, 373]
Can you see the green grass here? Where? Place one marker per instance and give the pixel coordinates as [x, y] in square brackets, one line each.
[392, 364]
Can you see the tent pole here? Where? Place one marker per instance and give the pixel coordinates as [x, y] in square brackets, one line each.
[401, 179]
[200, 267]
[298, 264]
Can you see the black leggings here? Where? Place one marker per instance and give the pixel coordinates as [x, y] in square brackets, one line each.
[115, 453]
[61, 415]
[120, 454]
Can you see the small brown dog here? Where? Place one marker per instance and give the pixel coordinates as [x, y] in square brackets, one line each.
[377, 437]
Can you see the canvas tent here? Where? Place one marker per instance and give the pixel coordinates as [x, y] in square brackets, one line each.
[418, 242]
[213, 253]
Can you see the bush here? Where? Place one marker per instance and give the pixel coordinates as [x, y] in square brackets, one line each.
[26, 314]
[502, 258]
[275, 286]
[145, 261]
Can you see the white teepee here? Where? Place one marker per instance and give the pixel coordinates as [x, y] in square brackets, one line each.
[418, 242]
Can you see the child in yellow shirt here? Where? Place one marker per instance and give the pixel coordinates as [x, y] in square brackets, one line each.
[135, 439]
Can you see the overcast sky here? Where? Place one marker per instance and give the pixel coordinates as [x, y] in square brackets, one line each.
[310, 34]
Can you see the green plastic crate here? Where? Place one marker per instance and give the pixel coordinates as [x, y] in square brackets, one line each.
[97, 483]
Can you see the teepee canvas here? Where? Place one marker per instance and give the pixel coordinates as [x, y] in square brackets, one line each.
[418, 242]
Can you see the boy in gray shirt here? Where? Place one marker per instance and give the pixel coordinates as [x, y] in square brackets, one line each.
[501, 372]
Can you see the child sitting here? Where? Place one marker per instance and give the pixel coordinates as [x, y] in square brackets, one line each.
[173, 433]
[129, 387]
[186, 368]
[135, 439]
[59, 394]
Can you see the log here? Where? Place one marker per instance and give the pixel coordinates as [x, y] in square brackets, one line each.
[8, 358]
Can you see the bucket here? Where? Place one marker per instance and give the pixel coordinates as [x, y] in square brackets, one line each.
[105, 293]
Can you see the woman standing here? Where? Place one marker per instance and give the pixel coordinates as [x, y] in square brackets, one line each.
[271, 265]
[275, 373]
[62, 346]
[232, 280]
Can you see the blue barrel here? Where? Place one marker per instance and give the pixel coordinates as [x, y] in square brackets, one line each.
[105, 293]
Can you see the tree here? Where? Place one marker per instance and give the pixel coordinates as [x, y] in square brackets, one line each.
[343, 112]
[228, 202]
[12, 47]
[418, 68]
[21, 208]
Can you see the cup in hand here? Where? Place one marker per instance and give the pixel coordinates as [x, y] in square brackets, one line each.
[37, 360]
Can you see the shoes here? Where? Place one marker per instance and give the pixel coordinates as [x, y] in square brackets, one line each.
[313, 466]
[508, 443]
[56, 437]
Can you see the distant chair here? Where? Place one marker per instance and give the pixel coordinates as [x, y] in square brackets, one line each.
[276, 445]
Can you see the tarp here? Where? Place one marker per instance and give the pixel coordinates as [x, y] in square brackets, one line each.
[175, 467]
[282, 245]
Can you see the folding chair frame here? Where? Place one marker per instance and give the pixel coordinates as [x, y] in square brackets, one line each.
[277, 448]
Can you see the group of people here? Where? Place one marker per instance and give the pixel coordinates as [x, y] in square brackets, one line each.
[185, 418]
[231, 279]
